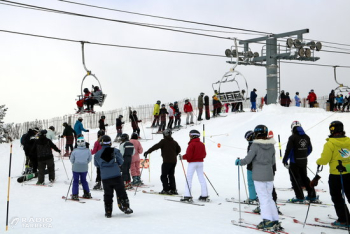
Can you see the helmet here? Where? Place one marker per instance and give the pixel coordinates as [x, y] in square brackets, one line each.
[249, 135]
[163, 105]
[100, 133]
[134, 135]
[105, 140]
[86, 90]
[167, 132]
[158, 102]
[287, 93]
[311, 90]
[175, 102]
[103, 117]
[194, 133]
[297, 93]
[201, 93]
[52, 128]
[336, 127]
[65, 124]
[186, 100]
[43, 132]
[282, 91]
[80, 118]
[124, 137]
[171, 104]
[120, 116]
[134, 112]
[295, 124]
[81, 142]
[260, 130]
[96, 88]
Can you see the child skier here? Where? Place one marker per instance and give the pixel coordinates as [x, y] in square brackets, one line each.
[127, 150]
[80, 159]
[162, 114]
[97, 147]
[135, 161]
[195, 155]
[119, 126]
[109, 160]
[177, 115]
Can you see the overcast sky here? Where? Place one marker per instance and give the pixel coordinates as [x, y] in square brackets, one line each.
[41, 78]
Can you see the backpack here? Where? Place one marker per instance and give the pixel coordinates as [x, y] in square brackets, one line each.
[23, 139]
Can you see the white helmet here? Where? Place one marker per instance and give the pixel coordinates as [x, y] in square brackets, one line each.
[295, 124]
[81, 142]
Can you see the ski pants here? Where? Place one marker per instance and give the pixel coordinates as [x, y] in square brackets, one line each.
[335, 188]
[251, 187]
[137, 130]
[119, 131]
[253, 107]
[168, 176]
[126, 168]
[98, 174]
[156, 120]
[267, 205]
[299, 177]
[177, 122]
[162, 125]
[50, 167]
[82, 177]
[135, 168]
[113, 184]
[200, 112]
[171, 121]
[198, 168]
[331, 105]
[188, 117]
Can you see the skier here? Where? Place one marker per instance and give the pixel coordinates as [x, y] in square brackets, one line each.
[109, 160]
[331, 99]
[283, 98]
[101, 123]
[200, 106]
[78, 127]
[127, 150]
[189, 111]
[96, 97]
[253, 96]
[97, 147]
[119, 126]
[297, 99]
[177, 115]
[262, 155]
[135, 161]
[336, 154]
[80, 159]
[88, 100]
[42, 149]
[299, 147]
[51, 133]
[288, 101]
[171, 111]
[156, 114]
[249, 136]
[70, 135]
[195, 155]
[134, 121]
[162, 114]
[312, 98]
[169, 150]
[31, 164]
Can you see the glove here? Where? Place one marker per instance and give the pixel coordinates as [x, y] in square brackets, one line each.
[314, 181]
[145, 154]
[59, 151]
[88, 130]
[285, 164]
[106, 124]
[87, 145]
[180, 157]
[123, 122]
[238, 162]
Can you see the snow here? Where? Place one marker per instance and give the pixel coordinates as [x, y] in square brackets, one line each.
[153, 214]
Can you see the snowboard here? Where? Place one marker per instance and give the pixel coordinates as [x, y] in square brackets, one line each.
[206, 105]
[27, 177]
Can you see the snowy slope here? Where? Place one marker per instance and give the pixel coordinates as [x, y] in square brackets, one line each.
[153, 214]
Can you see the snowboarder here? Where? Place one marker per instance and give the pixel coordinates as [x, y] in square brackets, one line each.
[189, 112]
[134, 121]
[70, 135]
[200, 106]
[119, 126]
[262, 155]
[42, 149]
[156, 114]
[127, 150]
[299, 147]
[101, 123]
[97, 147]
[336, 154]
[195, 155]
[135, 161]
[177, 115]
[169, 150]
[80, 159]
[253, 96]
[171, 111]
[109, 160]
[162, 114]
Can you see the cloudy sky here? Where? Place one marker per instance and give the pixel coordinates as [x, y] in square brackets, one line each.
[41, 78]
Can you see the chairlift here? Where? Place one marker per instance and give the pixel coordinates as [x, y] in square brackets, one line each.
[102, 97]
[341, 88]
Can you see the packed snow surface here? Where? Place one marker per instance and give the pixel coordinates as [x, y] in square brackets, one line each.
[42, 209]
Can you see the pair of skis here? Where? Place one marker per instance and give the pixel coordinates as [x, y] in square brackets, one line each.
[70, 199]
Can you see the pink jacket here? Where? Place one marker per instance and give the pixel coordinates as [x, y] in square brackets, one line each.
[97, 147]
[138, 150]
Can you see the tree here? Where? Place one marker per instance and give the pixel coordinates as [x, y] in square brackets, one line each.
[3, 128]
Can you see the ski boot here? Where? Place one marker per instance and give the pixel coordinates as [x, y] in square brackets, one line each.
[125, 206]
[108, 210]
[97, 186]
[204, 199]
[339, 224]
[87, 194]
[191, 123]
[173, 192]
[75, 197]
[268, 225]
[127, 185]
[135, 181]
[251, 201]
[186, 199]
[296, 200]
[165, 192]
[40, 183]
[313, 199]
[257, 210]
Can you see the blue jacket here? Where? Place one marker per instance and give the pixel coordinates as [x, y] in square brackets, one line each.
[80, 159]
[253, 96]
[109, 160]
[78, 127]
[297, 100]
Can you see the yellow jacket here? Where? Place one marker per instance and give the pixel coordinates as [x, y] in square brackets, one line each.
[156, 109]
[335, 149]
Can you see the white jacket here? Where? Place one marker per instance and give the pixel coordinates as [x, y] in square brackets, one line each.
[171, 112]
[51, 135]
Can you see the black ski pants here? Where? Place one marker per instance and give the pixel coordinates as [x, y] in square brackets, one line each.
[177, 122]
[114, 184]
[98, 174]
[331, 105]
[200, 112]
[335, 188]
[50, 167]
[168, 176]
[171, 121]
[156, 120]
[126, 168]
[162, 125]
[298, 173]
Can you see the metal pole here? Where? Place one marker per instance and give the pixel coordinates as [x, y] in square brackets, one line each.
[71, 181]
[183, 168]
[210, 183]
[245, 185]
[8, 189]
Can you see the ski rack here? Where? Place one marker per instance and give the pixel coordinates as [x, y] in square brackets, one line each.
[88, 73]
[234, 96]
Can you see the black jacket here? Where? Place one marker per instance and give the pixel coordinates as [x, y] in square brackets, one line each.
[42, 148]
[169, 147]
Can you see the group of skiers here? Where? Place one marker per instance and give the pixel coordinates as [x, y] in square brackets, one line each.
[337, 102]
[89, 99]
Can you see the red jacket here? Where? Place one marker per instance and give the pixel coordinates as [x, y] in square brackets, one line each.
[195, 151]
[312, 97]
[188, 107]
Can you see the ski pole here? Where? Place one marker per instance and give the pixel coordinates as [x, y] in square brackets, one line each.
[71, 181]
[144, 134]
[188, 186]
[239, 196]
[64, 166]
[245, 185]
[149, 168]
[143, 165]
[8, 189]
[210, 183]
[314, 174]
[203, 134]
[296, 182]
[279, 145]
